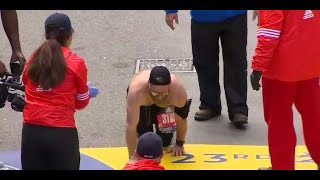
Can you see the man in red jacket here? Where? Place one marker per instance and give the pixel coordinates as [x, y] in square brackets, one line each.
[148, 153]
[287, 57]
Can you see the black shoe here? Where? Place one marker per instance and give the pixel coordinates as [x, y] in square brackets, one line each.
[239, 120]
[205, 114]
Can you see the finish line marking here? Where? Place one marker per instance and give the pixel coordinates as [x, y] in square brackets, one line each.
[196, 157]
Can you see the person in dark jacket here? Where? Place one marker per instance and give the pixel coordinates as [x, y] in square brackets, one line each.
[207, 27]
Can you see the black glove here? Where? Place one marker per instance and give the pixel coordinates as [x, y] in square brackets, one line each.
[18, 103]
[255, 80]
[3, 95]
[15, 69]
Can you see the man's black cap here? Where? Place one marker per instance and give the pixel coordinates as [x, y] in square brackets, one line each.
[160, 75]
[149, 145]
[58, 22]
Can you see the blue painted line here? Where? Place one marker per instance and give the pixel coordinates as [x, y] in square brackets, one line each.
[12, 160]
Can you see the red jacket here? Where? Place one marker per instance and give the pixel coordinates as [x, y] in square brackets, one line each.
[288, 47]
[56, 107]
[144, 164]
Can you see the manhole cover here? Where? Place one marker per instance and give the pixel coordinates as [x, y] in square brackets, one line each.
[174, 65]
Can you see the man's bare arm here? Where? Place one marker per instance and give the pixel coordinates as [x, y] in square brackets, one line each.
[181, 95]
[10, 25]
[182, 127]
[133, 114]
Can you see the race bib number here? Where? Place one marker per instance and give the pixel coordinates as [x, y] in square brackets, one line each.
[167, 122]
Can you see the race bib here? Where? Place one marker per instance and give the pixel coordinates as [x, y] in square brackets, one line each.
[167, 122]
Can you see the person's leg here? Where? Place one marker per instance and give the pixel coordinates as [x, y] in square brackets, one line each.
[278, 98]
[63, 147]
[308, 105]
[234, 48]
[33, 154]
[181, 115]
[205, 50]
[166, 138]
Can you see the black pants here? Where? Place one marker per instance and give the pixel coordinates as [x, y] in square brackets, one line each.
[205, 49]
[49, 148]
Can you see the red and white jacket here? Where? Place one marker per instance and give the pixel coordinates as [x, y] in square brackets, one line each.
[144, 164]
[288, 47]
[56, 107]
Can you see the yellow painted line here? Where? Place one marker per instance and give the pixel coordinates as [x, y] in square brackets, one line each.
[205, 157]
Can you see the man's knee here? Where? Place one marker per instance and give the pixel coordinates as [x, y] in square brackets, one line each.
[166, 139]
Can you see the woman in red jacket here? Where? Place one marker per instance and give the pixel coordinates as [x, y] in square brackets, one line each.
[288, 58]
[55, 82]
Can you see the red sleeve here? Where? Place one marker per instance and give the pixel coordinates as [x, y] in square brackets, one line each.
[82, 98]
[268, 35]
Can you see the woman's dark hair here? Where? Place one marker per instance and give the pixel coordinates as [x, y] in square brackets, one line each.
[48, 66]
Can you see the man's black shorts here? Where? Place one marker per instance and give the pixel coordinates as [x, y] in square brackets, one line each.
[148, 117]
